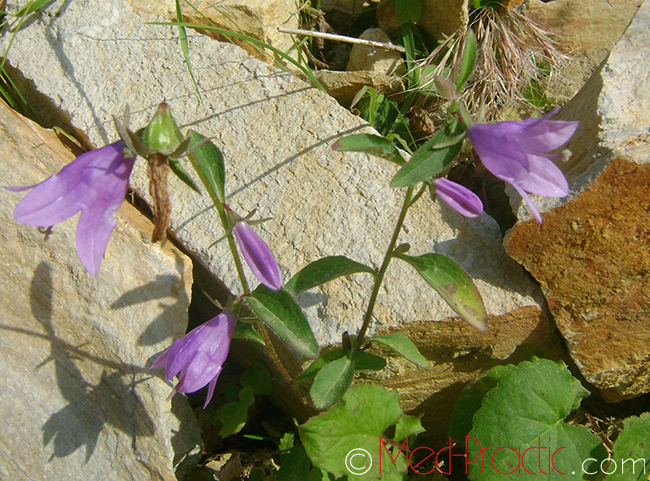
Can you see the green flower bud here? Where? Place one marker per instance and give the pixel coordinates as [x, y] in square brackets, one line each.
[161, 134]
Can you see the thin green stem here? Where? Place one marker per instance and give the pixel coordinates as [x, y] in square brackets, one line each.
[384, 266]
[224, 221]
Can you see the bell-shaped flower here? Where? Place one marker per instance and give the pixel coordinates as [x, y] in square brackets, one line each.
[197, 358]
[459, 198]
[95, 183]
[518, 152]
[258, 256]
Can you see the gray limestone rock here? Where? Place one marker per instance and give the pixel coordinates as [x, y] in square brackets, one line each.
[77, 400]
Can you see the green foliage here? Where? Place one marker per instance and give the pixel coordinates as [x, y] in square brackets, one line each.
[331, 382]
[364, 415]
[177, 168]
[382, 113]
[402, 345]
[246, 331]
[31, 7]
[407, 11]
[495, 4]
[523, 408]
[453, 284]
[470, 401]
[295, 467]
[468, 62]
[232, 416]
[370, 144]
[630, 448]
[182, 35]
[322, 271]
[362, 361]
[431, 159]
[210, 160]
[279, 311]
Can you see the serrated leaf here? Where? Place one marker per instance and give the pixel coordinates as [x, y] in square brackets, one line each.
[279, 311]
[331, 382]
[365, 413]
[428, 161]
[408, 426]
[370, 144]
[453, 284]
[470, 401]
[258, 378]
[295, 466]
[322, 271]
[402, 345]
[632, 451]
[468, 62]
[526, 410]
[178, 169]
[210, 159]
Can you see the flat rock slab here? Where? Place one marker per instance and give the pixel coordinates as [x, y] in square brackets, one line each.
[77, 401]
[592, 254]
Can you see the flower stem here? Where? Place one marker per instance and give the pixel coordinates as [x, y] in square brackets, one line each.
[382, 270]
[224, 221]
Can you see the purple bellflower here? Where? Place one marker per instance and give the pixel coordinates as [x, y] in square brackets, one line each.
[258, 256]
[459, 198]
[518, 153]
[95, 183]
[197, 357]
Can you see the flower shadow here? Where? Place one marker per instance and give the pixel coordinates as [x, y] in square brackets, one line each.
[111, 402]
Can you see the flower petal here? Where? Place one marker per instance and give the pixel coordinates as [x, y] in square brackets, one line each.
[531, 204]
[258, 256]
[544, 178]
[459, 198]
[507, 160]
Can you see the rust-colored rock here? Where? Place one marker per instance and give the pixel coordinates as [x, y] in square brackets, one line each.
[592, 258]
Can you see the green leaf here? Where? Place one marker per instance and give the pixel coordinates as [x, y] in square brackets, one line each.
[178, 169]
[370, 144]
[468, 62]
[211, 161]
[295, 467]
[470, 401]
[428, 161]
[322, 271]
[233, 415]
[362, 361]
[408, 11]
[246, 331]
[258, 378]
[182, 35]
[331, 382]
[526, 410]
[279, 311]
[404, 346]
[31, 7]
[632, 451]
[318, 364]
[453, 284]
[366, 412]
[408, 426]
